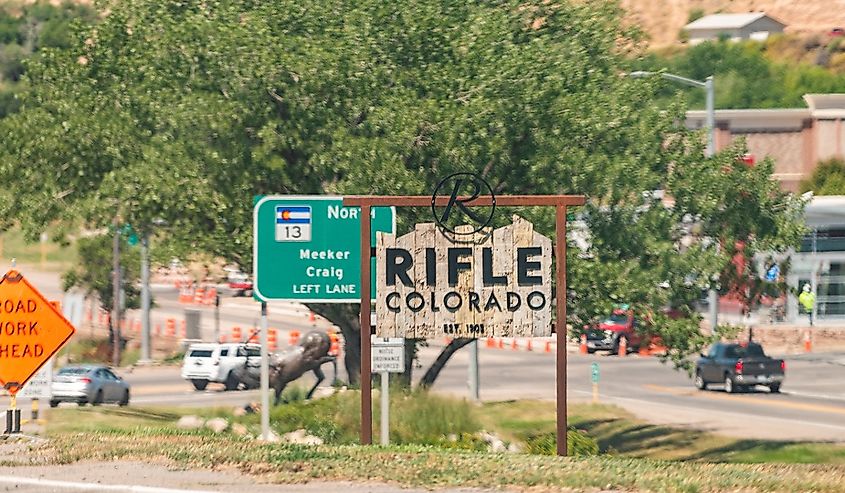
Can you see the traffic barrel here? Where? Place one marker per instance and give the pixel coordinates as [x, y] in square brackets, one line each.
[334, 348]
[171, 327]
[236, 334]
[210, 296]
[199, 296]
[583, 348]
[293, 339]
[272, 338]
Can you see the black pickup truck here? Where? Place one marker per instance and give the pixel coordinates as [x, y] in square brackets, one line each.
[739, 367]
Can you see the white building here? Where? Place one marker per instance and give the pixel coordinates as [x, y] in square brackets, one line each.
[821, 259]
[736, 27]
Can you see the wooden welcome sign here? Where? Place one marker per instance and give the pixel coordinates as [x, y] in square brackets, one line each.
[482, 284]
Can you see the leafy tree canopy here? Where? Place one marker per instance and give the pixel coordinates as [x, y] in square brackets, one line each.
[185, 111]
[746, 77]
[827, 179]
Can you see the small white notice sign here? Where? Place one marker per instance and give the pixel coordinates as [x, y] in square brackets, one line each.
[39, 386]
[388, 354]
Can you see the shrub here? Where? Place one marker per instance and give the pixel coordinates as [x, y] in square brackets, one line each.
[695, 14]
[417, 417]
[578, 444]
[827, 179]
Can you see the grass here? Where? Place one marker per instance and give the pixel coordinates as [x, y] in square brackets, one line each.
[49, 255]
[98, 350]
[111, 433]
[620, 434]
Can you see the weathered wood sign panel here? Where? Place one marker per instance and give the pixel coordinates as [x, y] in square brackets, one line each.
[482, 285]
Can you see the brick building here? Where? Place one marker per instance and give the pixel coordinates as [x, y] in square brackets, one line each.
[797, 139]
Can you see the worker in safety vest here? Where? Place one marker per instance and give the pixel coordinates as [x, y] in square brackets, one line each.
[807, 300]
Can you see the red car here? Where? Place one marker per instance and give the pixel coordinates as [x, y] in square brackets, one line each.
[240, 283]
[606, 336]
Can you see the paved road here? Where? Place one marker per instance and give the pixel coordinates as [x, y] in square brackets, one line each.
[810, 407]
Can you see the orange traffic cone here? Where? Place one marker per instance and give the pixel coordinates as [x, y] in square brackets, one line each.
[293, 340]
[808, 342]
[583, 348]
[623, 346]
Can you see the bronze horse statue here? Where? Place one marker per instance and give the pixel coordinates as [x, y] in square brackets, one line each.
[309, 355]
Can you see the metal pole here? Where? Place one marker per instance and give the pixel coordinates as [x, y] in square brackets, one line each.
[116, 294]
[217, 318]
[710, 150]
[145, 299]
[366, 382]
[473, 371]
[385, 408]
[713, 307]
[710, 88]
[560, 326]
[265, 376]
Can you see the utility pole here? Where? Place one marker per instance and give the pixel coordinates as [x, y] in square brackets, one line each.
[116, 293]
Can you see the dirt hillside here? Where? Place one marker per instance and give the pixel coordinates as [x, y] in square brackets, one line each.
[663, 19]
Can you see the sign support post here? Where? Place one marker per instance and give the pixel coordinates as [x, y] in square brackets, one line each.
[560, 202]
[265, 376]
[385, 408]
[473, 371]
[366, 331]
[388, 357]
[560, 326]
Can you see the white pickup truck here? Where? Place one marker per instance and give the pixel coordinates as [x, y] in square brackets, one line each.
[212, 362]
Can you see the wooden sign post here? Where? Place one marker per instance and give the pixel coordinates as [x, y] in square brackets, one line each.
[559, 202]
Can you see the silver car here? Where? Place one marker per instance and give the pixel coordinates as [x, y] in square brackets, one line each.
[83, 384]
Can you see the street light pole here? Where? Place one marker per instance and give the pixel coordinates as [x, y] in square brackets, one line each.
[709, 86]
[145, 299]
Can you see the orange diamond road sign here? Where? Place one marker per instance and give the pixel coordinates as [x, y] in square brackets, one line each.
[32, 330]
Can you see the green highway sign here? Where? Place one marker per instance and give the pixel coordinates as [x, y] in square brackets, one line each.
[594, 370]
[308, 248]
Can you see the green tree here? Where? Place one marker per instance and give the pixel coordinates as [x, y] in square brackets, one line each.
[93, 273]
[185, 112]
[827, 179]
